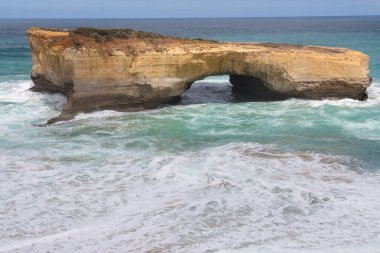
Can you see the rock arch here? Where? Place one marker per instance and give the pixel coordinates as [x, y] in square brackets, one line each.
[131, 70]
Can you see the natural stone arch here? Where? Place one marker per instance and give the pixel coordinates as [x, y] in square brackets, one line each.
[249, 87]
[129, 70]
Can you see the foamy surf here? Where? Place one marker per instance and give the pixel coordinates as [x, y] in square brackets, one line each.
[373, 99]
[242, 196]
[147, 196]
[362, 249]
[210, 90]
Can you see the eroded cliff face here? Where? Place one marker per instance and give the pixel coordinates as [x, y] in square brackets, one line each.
[129, 70]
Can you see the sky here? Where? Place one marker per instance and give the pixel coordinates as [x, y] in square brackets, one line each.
[184, 8]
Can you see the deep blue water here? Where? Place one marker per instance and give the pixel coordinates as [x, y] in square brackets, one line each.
[207, 174]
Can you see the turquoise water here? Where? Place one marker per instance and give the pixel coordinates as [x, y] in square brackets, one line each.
[208, 174]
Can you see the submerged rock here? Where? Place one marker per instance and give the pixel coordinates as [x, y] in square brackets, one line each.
[131, 70]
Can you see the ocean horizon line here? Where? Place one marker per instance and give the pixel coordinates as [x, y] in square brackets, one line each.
[185, 18]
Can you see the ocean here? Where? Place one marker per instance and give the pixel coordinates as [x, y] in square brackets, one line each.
[209, 174]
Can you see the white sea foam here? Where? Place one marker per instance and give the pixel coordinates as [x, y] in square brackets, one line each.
[14, 92]
[215, 79]
[373, 100]
[18, 92]
[237, 196]
[99, 114]
[93, 188]
[19, 105]
[374, 248]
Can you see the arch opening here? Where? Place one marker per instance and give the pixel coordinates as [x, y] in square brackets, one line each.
[229, 88]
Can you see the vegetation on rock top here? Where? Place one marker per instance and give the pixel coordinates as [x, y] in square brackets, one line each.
[109, 34]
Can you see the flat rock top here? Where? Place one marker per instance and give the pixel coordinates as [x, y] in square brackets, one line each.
[124, 39]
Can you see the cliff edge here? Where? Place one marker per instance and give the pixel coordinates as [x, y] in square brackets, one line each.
[123, 69]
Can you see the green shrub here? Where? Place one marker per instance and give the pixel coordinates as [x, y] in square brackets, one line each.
[109, 34]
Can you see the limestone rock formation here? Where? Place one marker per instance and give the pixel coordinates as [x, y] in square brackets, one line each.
[131, 70]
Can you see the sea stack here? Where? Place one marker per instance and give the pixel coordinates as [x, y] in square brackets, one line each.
[123, 69]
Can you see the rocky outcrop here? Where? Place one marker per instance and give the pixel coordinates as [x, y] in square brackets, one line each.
[130, 70]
